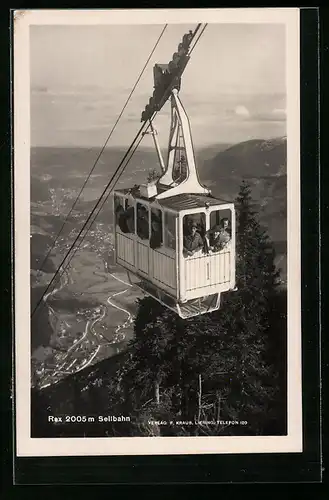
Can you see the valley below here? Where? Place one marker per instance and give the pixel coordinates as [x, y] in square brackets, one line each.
[87, 315]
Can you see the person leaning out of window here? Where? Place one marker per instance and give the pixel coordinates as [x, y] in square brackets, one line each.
[193, 241]
[219, 236]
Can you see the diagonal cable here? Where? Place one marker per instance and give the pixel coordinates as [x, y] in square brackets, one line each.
[97, 214]
[117, 171]
[89, 217]
[102, 150]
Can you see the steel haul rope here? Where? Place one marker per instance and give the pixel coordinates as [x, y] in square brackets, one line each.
[118, 172]
[88, 219]
[95, 217]
[103, 148]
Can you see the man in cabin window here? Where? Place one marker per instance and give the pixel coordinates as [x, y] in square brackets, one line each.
[193, 241]
[219, 236]
[126, 219]
[121, 219]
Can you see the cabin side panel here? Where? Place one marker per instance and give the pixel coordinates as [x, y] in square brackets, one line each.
[125, 249]
[142, 251]
[219, 268]
[163, 270]
[207, 270]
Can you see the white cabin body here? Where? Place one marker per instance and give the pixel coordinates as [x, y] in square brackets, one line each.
[154, 239]
[151, 248]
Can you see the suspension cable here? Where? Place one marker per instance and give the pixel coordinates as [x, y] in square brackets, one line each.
[149, 125]
[103, 148]
[90, 215]
[119, 170]
[98, 212]
[120, 173]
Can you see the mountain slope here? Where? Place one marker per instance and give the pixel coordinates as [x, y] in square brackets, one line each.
[263, 163]
[250, 159]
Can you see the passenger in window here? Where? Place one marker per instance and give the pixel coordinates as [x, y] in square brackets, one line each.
[192, 241]
[142, 223]
[225, 225]
[125, 219]
[156, 232]
[219, 236]
[120, 218]
[130, 219]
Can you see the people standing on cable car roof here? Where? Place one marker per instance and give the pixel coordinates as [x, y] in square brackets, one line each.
[193, 241]
[219, 236]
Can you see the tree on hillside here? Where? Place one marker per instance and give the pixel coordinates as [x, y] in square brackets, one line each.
[215, 366]
[256, 272]
[227, 365]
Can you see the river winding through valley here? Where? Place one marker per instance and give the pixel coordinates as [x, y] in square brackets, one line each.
[96, 315]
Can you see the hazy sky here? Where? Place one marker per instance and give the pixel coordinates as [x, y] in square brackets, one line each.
[233, 87]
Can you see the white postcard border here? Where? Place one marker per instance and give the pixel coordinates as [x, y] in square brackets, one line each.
[27, 446]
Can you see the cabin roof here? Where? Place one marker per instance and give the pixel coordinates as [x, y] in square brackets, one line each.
[179, 202]
[188, 201]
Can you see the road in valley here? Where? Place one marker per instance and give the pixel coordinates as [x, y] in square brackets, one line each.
[68, 363]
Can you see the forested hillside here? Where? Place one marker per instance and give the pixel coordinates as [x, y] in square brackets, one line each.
[222, 373]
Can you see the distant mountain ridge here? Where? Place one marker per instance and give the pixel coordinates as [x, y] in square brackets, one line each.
[263, 163]
[249, 159]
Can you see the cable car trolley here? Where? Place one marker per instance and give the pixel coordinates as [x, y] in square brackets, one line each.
[175, 240]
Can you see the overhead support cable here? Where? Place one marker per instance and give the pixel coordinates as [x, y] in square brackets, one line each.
[78, 245]
[108, 189]
[103, 148]
[90, 215]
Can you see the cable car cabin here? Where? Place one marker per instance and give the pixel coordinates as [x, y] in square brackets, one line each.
[179, 249]
[172, 236]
